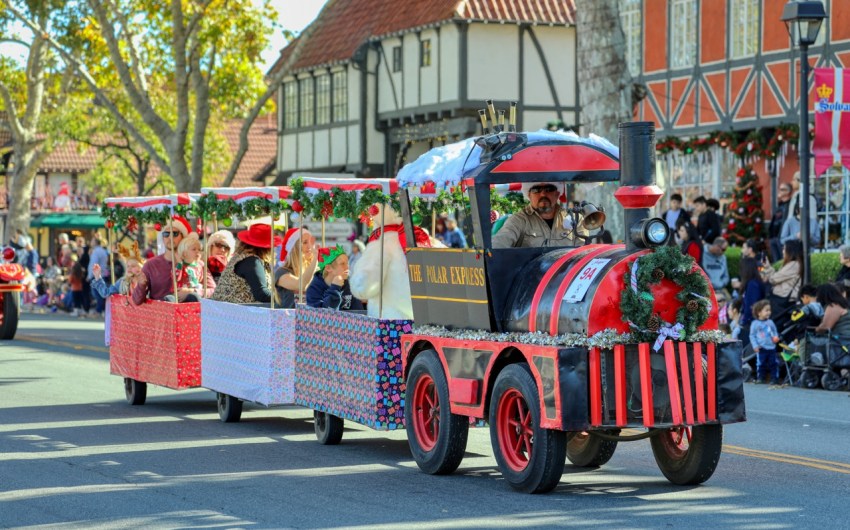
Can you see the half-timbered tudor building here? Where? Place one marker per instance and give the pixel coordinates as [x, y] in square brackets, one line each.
[729, 66]
[371, 84]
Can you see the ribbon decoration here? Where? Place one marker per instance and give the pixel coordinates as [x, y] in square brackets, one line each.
[667, 332]
[633, 279]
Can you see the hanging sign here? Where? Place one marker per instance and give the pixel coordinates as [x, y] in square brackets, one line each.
[831, 145]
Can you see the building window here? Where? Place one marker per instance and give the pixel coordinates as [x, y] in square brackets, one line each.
[306, 92]
[744, 28]
[425, 52]
[630, 18]
[323, 99]
[340, 96]
[290, 105]
[683, 33]
[397, 59]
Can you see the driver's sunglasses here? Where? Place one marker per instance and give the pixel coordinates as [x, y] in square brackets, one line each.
[219, 244]
[169, 234]
[543, 189]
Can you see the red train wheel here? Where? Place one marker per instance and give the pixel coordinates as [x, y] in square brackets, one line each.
[530, 457]
[688, 456]
[437, 438]
[426, 412]
[516, 431]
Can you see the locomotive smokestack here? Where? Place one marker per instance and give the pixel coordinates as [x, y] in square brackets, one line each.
[637, 192]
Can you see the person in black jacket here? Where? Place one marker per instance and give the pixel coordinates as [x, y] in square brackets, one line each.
[780, 214]
[330, 287]
[708, 222]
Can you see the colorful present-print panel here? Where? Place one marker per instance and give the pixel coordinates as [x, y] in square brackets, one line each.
[157, 342]
[349, 365]
[248, 351]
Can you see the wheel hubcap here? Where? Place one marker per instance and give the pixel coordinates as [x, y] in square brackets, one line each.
[515, 429]
[680, 441]
[426, 412]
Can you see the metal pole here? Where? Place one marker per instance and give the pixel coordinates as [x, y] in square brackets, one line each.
[299, 242]
[173, 257]
[804, 159]
[206, 258]
[381, 285]
[111, 254]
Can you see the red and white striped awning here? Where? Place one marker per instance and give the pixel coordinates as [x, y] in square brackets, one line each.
[241, 195]
[155, 202]
[313, 185]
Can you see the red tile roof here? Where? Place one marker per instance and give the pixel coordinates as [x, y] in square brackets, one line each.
[262, 149]
[69, 158]
[344, 25]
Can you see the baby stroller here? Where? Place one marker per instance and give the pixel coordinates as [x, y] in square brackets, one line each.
[825, 359]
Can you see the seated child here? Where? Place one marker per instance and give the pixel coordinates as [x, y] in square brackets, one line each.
[124, 285]
[809, 305]
[329, 287]
[190, 271]
[733, 312]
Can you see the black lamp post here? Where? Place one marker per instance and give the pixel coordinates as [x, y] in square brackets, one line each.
[806, 18]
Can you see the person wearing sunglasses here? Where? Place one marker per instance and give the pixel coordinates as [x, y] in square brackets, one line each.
[543, 223]
[156, 281]
[219, 250]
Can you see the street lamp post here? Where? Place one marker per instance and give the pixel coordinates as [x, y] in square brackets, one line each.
[804, 19]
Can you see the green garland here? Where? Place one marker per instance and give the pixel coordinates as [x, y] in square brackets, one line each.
[120, 216]
[636, 307]
[337, 203]
[209, 206]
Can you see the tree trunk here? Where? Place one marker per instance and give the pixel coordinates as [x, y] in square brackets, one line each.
[26, 163]
[604, 89]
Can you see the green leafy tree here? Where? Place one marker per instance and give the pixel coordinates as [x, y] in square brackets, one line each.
[168, 72]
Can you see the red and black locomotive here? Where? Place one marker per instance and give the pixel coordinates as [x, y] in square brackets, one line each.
[536, 341]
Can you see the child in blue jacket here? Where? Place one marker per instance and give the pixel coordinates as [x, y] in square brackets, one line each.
[329, 287]
[763, 337]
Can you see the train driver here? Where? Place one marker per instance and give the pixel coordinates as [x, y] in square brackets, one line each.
[543, 223]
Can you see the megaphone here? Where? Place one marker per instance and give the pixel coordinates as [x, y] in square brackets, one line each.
[592, 217]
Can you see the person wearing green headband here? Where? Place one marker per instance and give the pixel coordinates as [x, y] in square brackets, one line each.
[329, 287]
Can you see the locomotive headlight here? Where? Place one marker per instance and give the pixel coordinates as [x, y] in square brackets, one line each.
[657, 232]
[650, 233]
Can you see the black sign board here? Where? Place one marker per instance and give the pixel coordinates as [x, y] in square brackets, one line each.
[448, 287]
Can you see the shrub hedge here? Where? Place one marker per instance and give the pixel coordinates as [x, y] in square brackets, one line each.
[825, 265]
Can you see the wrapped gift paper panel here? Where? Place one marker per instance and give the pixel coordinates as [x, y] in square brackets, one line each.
[349, 365]
[248, 351]
[157, 342]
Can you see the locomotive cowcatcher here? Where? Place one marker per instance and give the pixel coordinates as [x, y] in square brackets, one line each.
[489, 320]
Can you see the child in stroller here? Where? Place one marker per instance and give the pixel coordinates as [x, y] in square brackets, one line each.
[804, 316]
[825, 351]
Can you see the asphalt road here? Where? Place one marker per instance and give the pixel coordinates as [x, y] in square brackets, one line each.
[73, 454]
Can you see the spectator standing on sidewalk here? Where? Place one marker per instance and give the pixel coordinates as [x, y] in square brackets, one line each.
[715, 266]
[98, 256]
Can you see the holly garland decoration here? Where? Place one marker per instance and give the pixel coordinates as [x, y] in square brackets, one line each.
[636, 305]
[209, 206]
[745, 215]
[122, 217]
[787, 132]
[337, 202]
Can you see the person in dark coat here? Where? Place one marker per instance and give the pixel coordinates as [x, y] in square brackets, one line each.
[708, 223]
[783, 196]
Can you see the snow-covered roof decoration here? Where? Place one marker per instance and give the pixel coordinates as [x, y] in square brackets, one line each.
[446, 165]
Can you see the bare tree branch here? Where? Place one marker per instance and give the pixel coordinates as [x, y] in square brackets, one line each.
[135, 58]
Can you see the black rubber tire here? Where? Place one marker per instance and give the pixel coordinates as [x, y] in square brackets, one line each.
[229, 408]
[136, 392]
[11, 312]
[810, 379]
[329, 428]
[694, 464]
[585, 449]
[545, 465]
[448, 449]
[831, 381]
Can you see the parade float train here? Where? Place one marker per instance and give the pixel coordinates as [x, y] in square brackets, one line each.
[533, 341]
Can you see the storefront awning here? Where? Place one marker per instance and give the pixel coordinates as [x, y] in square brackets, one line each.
[69, 220]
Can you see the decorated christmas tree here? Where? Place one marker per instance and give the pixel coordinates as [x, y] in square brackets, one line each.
[745, 216]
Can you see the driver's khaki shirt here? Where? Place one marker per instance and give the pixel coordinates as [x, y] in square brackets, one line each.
[527, 229]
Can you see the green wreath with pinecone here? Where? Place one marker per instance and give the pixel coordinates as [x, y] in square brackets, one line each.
[637, 302]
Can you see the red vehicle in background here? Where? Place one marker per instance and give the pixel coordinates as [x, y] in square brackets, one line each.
[11, 278]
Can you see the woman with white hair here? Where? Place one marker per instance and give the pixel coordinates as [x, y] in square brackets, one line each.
[220, 247]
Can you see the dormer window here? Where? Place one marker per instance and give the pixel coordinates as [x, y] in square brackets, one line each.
[425, 53]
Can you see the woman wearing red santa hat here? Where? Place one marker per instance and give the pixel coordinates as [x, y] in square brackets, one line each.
[246, 279]
[299, 256]
[156, 282]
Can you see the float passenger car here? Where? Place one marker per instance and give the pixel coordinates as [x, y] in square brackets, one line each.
[562, 349]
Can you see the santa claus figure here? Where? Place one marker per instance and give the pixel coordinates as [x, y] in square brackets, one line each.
[386, 289]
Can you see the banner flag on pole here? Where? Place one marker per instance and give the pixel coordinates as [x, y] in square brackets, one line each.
[831, 145]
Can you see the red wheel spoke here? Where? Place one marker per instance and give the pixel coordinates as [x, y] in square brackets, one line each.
[527, 441]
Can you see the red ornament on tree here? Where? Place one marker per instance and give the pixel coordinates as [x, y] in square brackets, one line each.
[157, 226]
[373, 210]
[109, 223]
[297, 207]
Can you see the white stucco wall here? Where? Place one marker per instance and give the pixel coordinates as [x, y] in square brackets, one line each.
[558, 45]
[493, 62]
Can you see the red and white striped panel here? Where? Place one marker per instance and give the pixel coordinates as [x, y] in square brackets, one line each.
[313, 185]
[241, 195]
[155, 202]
